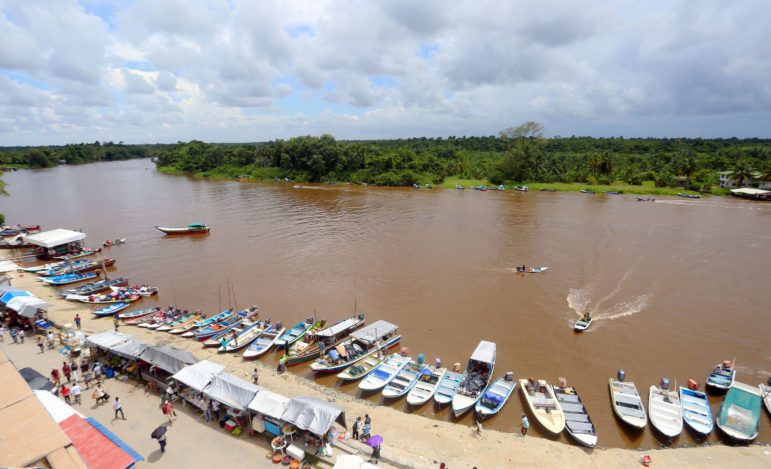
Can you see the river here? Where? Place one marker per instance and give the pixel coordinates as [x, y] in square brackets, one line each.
[675, 286]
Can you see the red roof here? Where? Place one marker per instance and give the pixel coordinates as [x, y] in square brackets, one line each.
[98, 451]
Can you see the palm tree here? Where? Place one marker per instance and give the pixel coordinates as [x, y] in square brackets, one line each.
[765, 175]
[741, 172]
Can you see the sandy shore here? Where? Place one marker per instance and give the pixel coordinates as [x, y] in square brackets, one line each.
[416, 441]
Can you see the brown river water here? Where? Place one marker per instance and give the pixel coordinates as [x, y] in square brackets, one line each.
[675, 286]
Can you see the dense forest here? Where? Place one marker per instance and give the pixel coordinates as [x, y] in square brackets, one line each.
[47, 156]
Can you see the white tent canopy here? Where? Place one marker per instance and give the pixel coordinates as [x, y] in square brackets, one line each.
[167, 358]
[107, 339]
[269, 403]
[352, 461]
[231, 390]
[485, 352]
[27, 306]
[312, 414]
[199, 375]
[8, 266]
[53, 238]
[130, 349]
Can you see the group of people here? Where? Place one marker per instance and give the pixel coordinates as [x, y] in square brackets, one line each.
[365, 429]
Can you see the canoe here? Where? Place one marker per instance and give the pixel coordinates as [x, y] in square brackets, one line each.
[665, 411]
[193, 228]
[265, 341]
[136, 321]
[404, 381]
[237, 327]
[49, 266]
[532, 270]
[85, 266]
[476, 378]
[586, 191]
[139, 313]
[765, 392]
[582, 324]
[177, 322]
[496, 395]
[218, 317]
[543, 404]
[577, 421]
[208, 331]
[722, 376]
[308, 348]
[696, 411]
[156, 321]
[95, 287]
[370, 340]
[108, 244]
[627, 403]
[362, 368]
[426, 386]
[521, 188]
[243, 338]
[447, 387]
[111, 309]
[384, 373]
[689, 196]
[739, 415]
[141, 291]
[188, 325]
[296, 333]
[66, 279]
[102, 299]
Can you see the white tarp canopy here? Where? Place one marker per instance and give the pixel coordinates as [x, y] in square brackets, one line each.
[269, 403]
[374, 331]
[167, 358]
[314, 415]
[27, 306]
[199, 375]
[8, 266]
[231, 390]
[351, 461]
[485, 352]
[130, 349]
[749, 191]
[107, 339]
[337, 328]
[53, 238]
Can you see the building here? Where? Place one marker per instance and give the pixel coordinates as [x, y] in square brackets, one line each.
[55, 243]
[750, 193]
[727, 181]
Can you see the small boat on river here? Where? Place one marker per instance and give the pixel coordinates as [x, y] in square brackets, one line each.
[739, 415]
[78, 267]
[645, 199]
[242, 339]
[66, 279]
[297, 332]
[404, 381]
[587, 191]
[265, 342]
[426, 386]
[521, 188]
[689, 196]
[722, 376]
[225, 323]
[479, 372]
[374, 339]
[308, 348]
[696, 411]
[543, 404]
[139, 313]
[185, 319]
[116, 242]
[530, 270]
[447, 387]
[192, 228]
[765, 392]
[111, 309]
[583, 323]
[103, 299]
[384, 373]
[665, 410]
[496, 395]
[84, 253]
[577, 421]
[95, 287]
[238, 325]
[626, 402]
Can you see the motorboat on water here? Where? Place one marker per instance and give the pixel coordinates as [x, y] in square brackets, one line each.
[479, 372]
[739, 415]
[577, 421]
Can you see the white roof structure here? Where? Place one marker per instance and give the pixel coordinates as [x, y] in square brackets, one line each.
[107, 339]
[130, 349]
[374, 331]
[53, 238]
[8, 266]
[199, 375]
[749, 191]
[26, 306]
[231, 391]
[269, 403]
[351, 461]
[337, 328]
[167, 358]
[485, 352]
[58, 409]
[314, 415]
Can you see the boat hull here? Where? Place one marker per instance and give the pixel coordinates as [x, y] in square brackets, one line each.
[543, 399]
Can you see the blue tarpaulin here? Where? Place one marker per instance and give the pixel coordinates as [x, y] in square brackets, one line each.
[9, 295]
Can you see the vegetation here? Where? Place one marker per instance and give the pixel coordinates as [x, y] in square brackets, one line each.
[47, 156]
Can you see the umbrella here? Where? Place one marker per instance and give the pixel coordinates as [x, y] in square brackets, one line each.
[158, 432]
[374, 441]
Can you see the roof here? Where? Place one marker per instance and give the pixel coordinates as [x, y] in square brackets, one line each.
[13, 293]
[199, 375]
[57, 408]
[337, 328]
[749, 191]
[8, 266]
[27, 306]
[6, 288]
[312, 414]
[485, 352]
[97, 451]
[374, 331]
[167, 358]
[130, 349]
[107, 339]
[231, 391]
[53, 238]
[269, 403]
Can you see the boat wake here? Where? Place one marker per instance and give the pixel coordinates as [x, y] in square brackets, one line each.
[579, 300]
[624, 309]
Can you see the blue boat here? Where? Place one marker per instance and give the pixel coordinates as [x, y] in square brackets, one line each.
[447, 387]
[69, 278]
[696, 411]
[296, 333]
[218, 329]
[496, 395]
[111, 309]
[217, 318]
[739, 415]
[722, 376]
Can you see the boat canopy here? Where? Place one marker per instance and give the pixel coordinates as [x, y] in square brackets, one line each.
[199, 375]
[107, 339]
[374, 331]
[13, 293]
[167, 358]
[314, 415]
[196, 225]
[485, 352]
[26, 306]
[269, 403]
[8, 266]
[53, 238]
[335, 329]
[130, 349]
[231, 390]
[740, 410]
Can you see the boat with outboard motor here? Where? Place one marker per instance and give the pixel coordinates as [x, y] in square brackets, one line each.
[212, 329]
[530, 270]
[479, 372]
[297, 332]
[111, 309]
[309, 349]
[665, 410]
[66, 279]
[384, 372]
[374, 339]
[583, 323]
[696, 411]
[543, 404]
[425, 388]
[241, 339]
[266, 340]
[739, 415]
[238, 326]
[577, 421]
[95, 287]
[192, 228]
[447, 387]
[722, 376]
[496, 395]
[626, 401]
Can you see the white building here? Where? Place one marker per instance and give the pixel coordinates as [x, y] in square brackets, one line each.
[727, 181]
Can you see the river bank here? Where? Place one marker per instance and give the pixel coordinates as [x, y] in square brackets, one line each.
[416, 441]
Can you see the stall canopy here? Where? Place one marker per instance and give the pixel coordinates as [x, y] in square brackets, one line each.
[269, 403]
[27, 306]
[53, 238]
[13, 293]
[199, 375]
[335, 329]
[132, 348]
[231, 391]
[8, 266]
[167, 358]
[314, 415]
[107, 340]
[6, 288]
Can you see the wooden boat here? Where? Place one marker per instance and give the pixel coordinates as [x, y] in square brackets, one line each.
[265, 341]
[78, 267]
[308, 348]
[626, 402]
[543, 404]
[521, 188]
[696, 411]
[296, 333]
[531, 270]
[111, 309]
[374, 339]
[362, 368]
[645, 199]
[156, 321]
[141, 291]
[384, 373]
[216, 330]
[188, 325]
[447, 387]
[50, 266]
[139, 313]
[722, 376]
[227, 314]
[665, 410]
[587, 191]
[689, 196]
[66, 279]
[243, 338]
[142, 318]
[102, 299]
[577, 421]
[426, 386]
[739, 415]
[192, 228]
[765, 392]
[238, 327]
[404, 381]
[83, 253]
[108, 244]
[583, 323]
[95, 287]
[479, 372]
[192, 317]
[496, 395]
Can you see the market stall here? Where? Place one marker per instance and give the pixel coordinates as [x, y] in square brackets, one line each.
[107, 340]
[195, 378]
[234, 393]
[58, 242]
[314, 416]
[269, 407]
[158, 362]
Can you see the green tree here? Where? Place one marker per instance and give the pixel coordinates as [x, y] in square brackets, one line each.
[741, 172]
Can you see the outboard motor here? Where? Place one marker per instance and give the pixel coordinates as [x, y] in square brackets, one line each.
[621, 375]
[665, 383]
[509, 376]
[438, 363]
[421, 358]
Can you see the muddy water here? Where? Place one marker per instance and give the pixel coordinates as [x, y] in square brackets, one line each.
[675, 286]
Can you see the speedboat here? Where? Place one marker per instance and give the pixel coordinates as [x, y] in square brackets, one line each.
[665, 410]
[626, 402]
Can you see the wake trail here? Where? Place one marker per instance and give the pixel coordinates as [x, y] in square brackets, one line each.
[613, 292]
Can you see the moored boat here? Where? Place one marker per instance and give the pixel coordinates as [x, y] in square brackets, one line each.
[238, 326]
[66, 279]
[139, 313]
[78, 255]
[521, 188]
[479, 372]
[577, 421]
[739, 415]
[95, 287]
[587, 191]
[689, 196]
[665, 410]
[384, 372]
[296, 333]
[626, 402]
[765, 392]
[447, 387]
[151, 314]
[266, 340]
[77, 267]
[424, 389]
[141, 290]
[189, 317]
[188, 325]
[103, 299]
[543, 404]
[192, 228]
[111, 309]
[722, 376]
[496, 395]
[242, 339]
[531, 270]
[308, 348]
[50, 266]
[370, 340]
[696, 411]
[404, 380]
[210, 330]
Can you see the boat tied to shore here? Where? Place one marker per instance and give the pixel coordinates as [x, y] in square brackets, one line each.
[298, 332]
[265, 342]
[479, 372]
[496, 395]
[722, 376]
[374, 339]
[384, 372]
[665, 409]
[739, 415]
[447, 387]
[111, 309]
[578, 424]
[626, 401]
[543, 404]
[223, 322]
[95, 287]
[425, 388]
[696, 411]
[66, 279]
[309, 347]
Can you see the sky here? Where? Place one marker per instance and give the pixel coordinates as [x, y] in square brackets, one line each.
[162, 71]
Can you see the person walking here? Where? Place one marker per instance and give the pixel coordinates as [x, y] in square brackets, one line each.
[118, 407]
[162, 442]
[40, 344]
[525, 425]
[66, 371]
[98, 372]
[215, 407]
[50, 337]
[55, 376]
[75, 392]
[87, 377]
[255, 376]
[75, 373]
[207, 409]
[14, 335]
[99, 394]
[77, 321]
[355, 430]
[65, 393]
[21, 335]
[116, 322]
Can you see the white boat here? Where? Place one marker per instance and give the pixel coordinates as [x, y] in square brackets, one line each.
[265, 341]
[626, 402]
[243, 338]
[371, 340]
[765, 392]
[543, 404]
[384, 373]
[426, 386]
[479, 372]
[583, 323]
[665, 410]
[404, 381]
[722, 376]
[577, 421]
[696, 411]
[496, 395]
[447, 387]
[531, 270]
[362, 368]
[739, 415]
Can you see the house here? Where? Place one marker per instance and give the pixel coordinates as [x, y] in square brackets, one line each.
[746, 192]
[727, 181]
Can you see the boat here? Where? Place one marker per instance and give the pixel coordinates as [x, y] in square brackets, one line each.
[765, 392]
[227, 314]
[143, 290]
[66, 279]
[95, 287]
[362, 368]
[111, 309]
[479, 372]
[543, 404]
[689, 196]
[459, 186]
[447, 387]
[415, 185]
[739, 415]
[404, 380]
[192, 228]
[139, 313]
[425, 388]
[626, 402]
[501, 187]
[243, 338]
[587, 191]
[521, 188]
[665, 410]
[645, 199]
[577, 421]
[583, 323]
[237, 327]
[108, 244]
[429, 186]
[612, 192]
[547, 189]
[531, 270]
[308, 348]
[156, 321]
[696, 411]
[103, 299]
[49, 266]
[496, 395]
[384, 372]
[722, 376]
[374, 339]
[223, 325]
[296, 333]
[188, 325]
[83, 253]
[152, 316]
[78, 267]
[265, 342]
[178, 321]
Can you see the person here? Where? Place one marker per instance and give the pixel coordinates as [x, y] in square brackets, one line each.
[282, 364]
[75, 375]
[99, 394]
[65, 393]
[167, 409]
[215, 407]
[83, 365]
[118, 407]
[367, 420]
[40, 344]
[77, 321]
[14, 335]
[87, 377]
[355, 430]
[2, 333]
[116, 322]
[234, 334]
[524, 268]
[162, 442]
[75, 391]
[376, 453]
[66, 371]
[50, 339]
[478, 421]
[55, 376]
[98, 372]
[255, 376]
[206, 408]
[223, 342]
[21, 335]
[525, 425]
